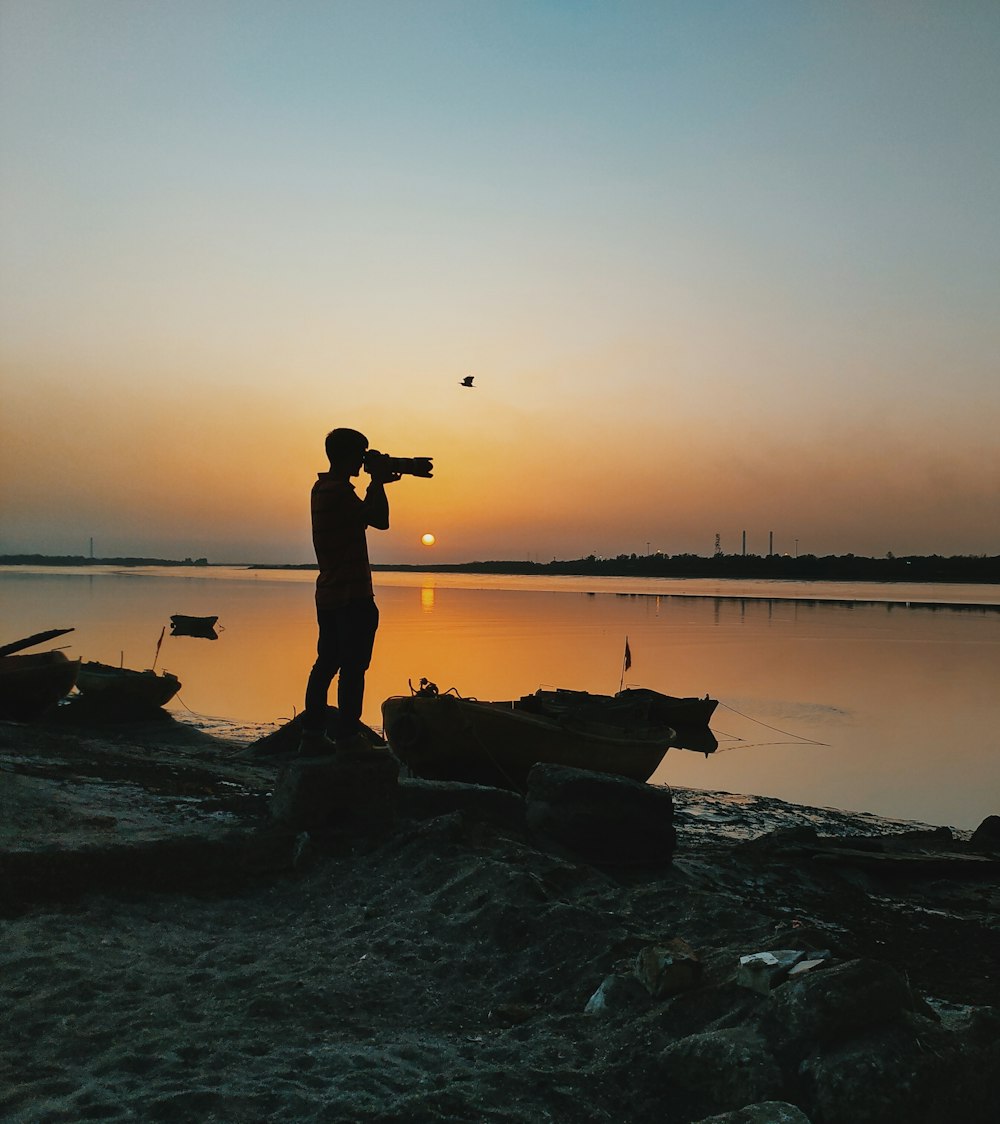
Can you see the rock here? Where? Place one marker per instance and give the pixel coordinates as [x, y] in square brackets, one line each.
[617, 993]
[762, 971]
[986, 837]
[720, 1071]
[354, 792]
[281, 745]
[911, 1071]
[604, 818]
[804, 966]
[842, 1000]
[421, 799]
[668, 969]
[766, 1112]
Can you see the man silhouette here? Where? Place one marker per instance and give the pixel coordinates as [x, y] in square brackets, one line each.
[345, 603]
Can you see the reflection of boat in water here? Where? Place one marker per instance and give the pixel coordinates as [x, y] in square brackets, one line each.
[203, 628]
[445, 737]
[32, 685]
[122, 691]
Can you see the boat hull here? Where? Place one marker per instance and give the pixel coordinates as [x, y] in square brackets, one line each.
[121, 688]
[30, 686]
[443, 737]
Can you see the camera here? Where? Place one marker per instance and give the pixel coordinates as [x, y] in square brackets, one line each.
[403, 466]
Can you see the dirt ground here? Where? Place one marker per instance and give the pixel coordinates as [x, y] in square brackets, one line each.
[168, 954]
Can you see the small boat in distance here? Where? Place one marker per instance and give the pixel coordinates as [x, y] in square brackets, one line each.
[446, 737]
[202, 628]
[31, 686]
[123, 692]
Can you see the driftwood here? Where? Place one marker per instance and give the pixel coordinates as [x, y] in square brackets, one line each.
[31, 641]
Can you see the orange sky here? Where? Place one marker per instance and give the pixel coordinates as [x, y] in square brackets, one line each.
[709, 278]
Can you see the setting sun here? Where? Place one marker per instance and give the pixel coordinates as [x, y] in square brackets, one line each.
[428, 539]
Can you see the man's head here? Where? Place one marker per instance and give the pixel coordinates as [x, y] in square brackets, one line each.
[346, 449]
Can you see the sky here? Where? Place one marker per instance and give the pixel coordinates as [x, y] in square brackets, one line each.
[715, 265]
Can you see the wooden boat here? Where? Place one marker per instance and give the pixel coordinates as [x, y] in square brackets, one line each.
[641, 704]
[30, 686]
[688, 717]
[120, 689]
[445, 737]
[672, 710]
[202, 628]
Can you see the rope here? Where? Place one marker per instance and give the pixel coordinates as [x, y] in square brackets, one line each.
[189, 710]
[799, 739]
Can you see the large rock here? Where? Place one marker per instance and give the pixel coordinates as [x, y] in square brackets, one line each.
[719, 1071]
[420, 799]
[353, 792]
[839, 1002]
[912, 1071]
[617, 994]
[766, 1112]
[668, 968]
[606, 819]
[986, 837]
[281, 744]
[763, 971]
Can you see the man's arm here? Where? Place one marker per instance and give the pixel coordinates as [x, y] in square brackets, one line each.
[376, 506]
[376, 503]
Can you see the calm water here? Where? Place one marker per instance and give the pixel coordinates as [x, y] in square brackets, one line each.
[887, 703]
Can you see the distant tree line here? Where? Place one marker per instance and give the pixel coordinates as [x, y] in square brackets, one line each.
[806, 567]
[974, 569]
[80, 560]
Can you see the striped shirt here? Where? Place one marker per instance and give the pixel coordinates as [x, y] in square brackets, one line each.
[338, 531]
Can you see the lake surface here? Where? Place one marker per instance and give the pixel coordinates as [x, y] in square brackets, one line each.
[878, 698]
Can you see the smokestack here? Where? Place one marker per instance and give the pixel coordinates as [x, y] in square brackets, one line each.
[770, 543]
[744, 544]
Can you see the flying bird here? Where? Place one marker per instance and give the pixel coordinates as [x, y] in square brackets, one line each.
[467, 381]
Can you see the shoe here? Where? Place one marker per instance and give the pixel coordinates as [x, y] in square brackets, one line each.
[314, 743]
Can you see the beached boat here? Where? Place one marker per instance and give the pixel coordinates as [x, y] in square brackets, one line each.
[688, 717]
[641, 704]
[445, 737]
[32, 685]
[670, 709]
[120, 689]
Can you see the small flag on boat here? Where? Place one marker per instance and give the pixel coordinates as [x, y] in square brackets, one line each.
[628, 655]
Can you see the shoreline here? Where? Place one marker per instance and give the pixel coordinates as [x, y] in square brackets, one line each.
[977, 596]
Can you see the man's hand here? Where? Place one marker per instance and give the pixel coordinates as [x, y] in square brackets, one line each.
[377, 467]
[379, 476]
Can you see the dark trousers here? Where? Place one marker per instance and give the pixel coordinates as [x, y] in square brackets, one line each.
[346, 640]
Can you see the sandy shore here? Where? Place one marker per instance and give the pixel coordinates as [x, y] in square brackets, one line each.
[168, 955]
